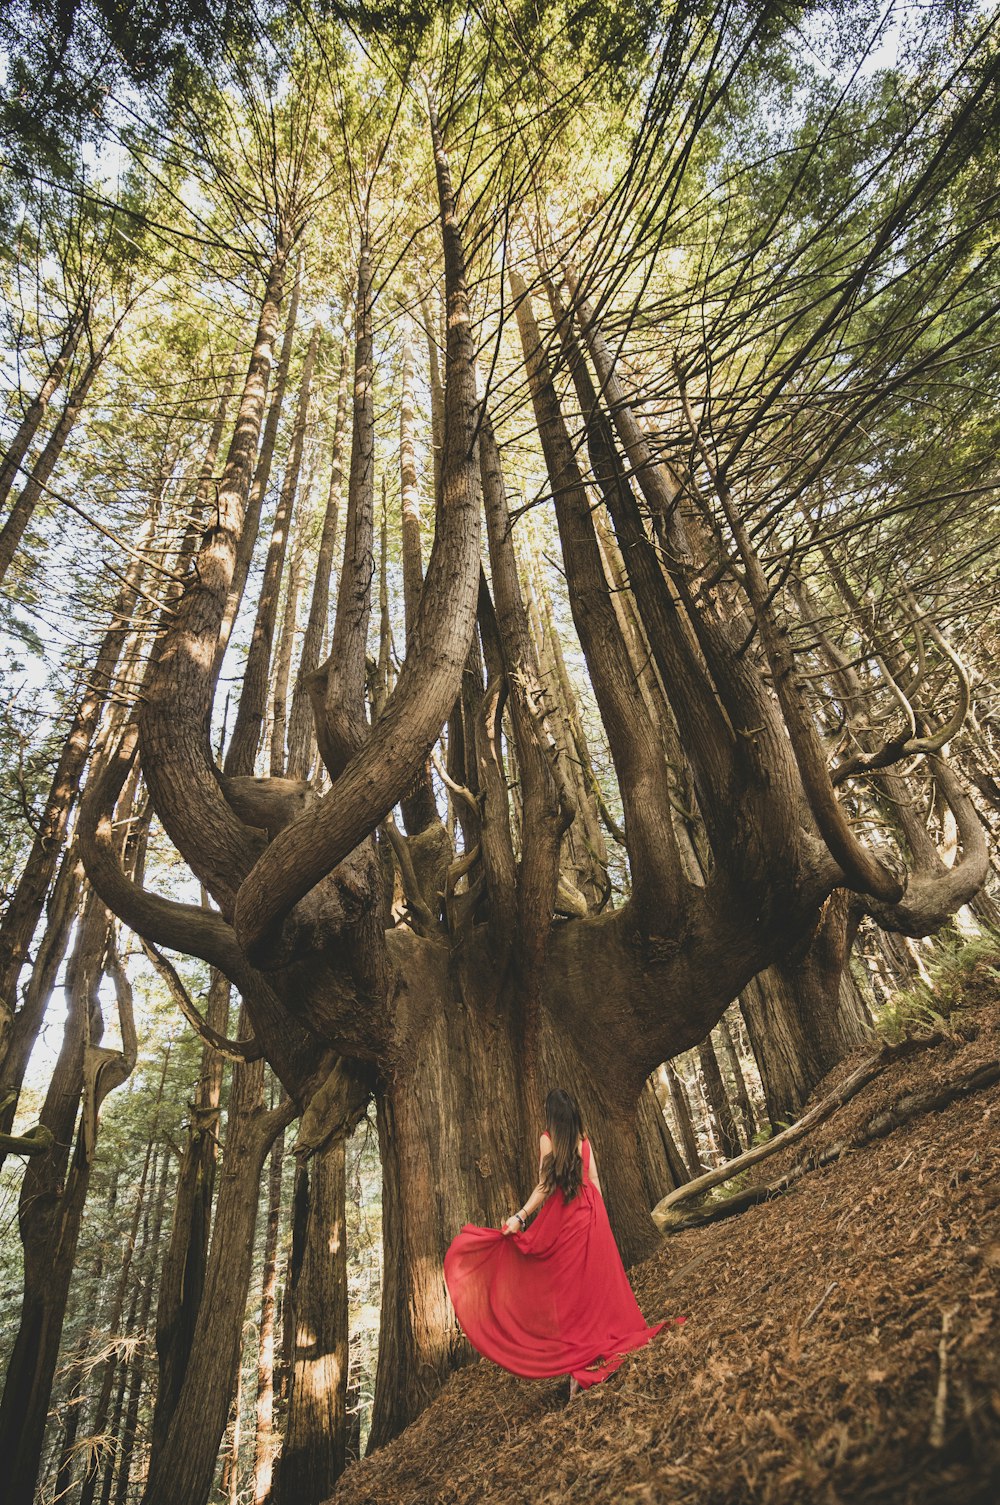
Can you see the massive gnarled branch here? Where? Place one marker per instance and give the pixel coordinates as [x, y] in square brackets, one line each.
[164, 922]
[381, 771]
[174, 716]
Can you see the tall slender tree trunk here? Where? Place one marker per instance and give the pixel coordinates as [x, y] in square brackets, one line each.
[718, 1099]
[50, 1209]
[35, 412]
[34, 488]
[283, 662]
[682, 1116]
[739, 1081]
[63, 907]
[230, 1481]
[313, 1453]
[18, 1030]
[261, 476]
[108, 1440]
[301, 735]
[418, 804]
[266, 1441]
[182, 1276]
[78, 1367]
[117, 1307]
[253, 695]
[182, 1460]
[137, 1364]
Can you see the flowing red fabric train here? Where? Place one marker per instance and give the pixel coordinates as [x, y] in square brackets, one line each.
[552, 1300]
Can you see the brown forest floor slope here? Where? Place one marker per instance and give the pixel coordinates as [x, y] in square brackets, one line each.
[810, 1369]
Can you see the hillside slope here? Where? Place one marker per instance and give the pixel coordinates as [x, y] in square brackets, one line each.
[842, 1342]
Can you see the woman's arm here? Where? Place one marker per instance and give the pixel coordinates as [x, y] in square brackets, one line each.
[514, 1223]
[592, 1173]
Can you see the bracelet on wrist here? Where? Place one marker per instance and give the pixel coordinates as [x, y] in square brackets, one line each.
[522, 1220]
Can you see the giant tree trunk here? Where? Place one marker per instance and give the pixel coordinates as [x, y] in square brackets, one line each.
[459, 1123]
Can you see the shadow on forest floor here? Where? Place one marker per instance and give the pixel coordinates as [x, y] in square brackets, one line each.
[842, 1346]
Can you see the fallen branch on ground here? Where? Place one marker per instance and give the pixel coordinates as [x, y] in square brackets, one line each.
[848, 1088]
[911, 1105]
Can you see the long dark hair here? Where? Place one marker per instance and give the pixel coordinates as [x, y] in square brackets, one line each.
[563, 1167]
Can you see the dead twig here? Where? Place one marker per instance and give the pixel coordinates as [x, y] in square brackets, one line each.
[936, 1437]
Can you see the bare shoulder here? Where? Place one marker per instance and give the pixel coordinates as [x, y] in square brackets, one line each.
[544, 1143]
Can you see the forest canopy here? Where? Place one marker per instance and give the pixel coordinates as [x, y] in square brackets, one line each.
[498, 587]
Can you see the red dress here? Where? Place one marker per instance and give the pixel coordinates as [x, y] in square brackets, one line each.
[552, 1300]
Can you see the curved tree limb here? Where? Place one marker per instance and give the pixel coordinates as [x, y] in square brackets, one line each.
[232, 1050]
[935, 891]
[164, 922]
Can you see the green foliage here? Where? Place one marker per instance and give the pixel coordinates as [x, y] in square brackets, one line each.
[63, 61]
[955, 965]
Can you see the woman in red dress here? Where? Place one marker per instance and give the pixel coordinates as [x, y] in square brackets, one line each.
[554, 1298]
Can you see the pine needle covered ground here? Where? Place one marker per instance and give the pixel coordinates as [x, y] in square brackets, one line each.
[842, 1342]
